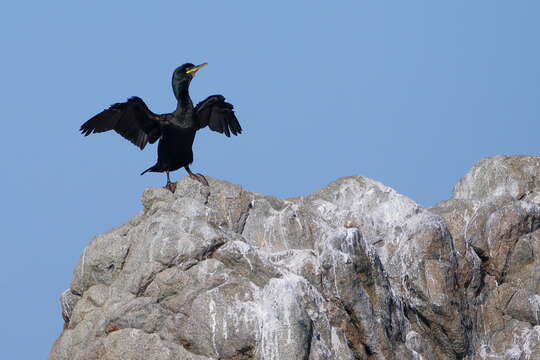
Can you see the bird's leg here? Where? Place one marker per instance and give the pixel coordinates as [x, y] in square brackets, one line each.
[170, 185]
[199, 177]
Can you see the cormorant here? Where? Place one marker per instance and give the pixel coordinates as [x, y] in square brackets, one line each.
[175, 131]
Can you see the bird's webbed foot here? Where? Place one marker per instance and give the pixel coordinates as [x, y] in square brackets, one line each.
[200, 178]
[171, 186]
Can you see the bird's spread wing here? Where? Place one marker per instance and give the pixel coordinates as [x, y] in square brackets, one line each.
[131, 119]
[218, 114]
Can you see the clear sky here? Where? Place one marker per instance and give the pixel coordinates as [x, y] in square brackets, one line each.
[410, 93]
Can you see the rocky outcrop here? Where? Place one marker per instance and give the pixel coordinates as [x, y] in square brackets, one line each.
[353, 271]
[494, 217]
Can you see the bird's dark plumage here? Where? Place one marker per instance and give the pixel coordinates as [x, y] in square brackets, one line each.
[175, 131]
[218, 114]
[132, 119]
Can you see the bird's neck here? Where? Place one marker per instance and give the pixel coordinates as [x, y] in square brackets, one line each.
[181, 92]
[184, 103]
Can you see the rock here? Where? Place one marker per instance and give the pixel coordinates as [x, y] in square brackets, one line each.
[514, 176]
[493, 217]
[353, 271]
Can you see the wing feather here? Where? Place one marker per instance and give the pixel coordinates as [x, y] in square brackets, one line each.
[225, 124]
[131, 119]
[218, 115]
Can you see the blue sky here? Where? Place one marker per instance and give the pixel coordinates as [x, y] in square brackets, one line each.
[409, 93]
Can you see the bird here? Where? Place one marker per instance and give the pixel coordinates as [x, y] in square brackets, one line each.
[175, 131]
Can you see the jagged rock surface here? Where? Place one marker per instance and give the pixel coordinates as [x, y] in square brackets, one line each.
[354, 271]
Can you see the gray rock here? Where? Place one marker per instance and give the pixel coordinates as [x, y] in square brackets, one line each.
[494, 217]
[353, 271]
[514, 176]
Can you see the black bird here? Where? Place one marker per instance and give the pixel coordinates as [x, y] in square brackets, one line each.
[175, 131]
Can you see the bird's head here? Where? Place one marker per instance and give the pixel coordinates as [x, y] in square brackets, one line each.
[187, 70]
[182, 77]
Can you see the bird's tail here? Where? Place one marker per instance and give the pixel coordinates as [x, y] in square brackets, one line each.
[151, 169]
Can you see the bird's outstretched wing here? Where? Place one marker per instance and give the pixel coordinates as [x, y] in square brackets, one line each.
[217, 114]
[131, 119]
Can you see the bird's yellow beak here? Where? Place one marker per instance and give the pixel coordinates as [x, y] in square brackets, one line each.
[193, 70]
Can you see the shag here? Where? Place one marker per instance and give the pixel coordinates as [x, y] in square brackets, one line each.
[175, 131]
